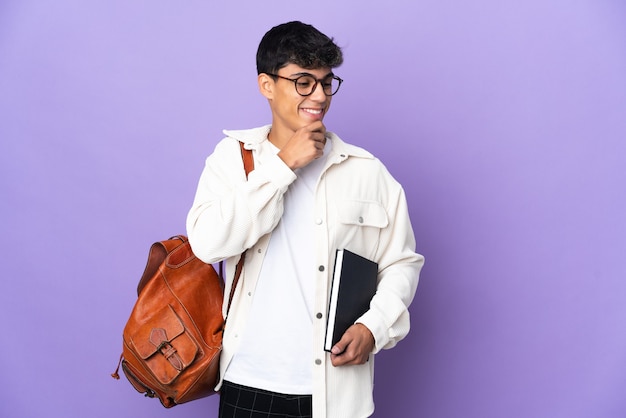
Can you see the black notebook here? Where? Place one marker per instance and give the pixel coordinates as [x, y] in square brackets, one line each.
[353, 286]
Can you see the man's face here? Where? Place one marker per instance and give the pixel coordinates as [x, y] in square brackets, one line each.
[292, 111]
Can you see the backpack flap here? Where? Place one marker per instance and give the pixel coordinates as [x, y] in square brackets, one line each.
[164, 344]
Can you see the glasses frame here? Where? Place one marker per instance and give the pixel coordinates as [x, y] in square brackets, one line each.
[317, 81]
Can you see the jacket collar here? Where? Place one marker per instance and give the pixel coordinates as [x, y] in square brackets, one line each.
[253, 137]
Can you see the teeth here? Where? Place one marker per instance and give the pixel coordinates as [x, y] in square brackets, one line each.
[314, 111]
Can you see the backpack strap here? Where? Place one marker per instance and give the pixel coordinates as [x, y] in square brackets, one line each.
[248, 161]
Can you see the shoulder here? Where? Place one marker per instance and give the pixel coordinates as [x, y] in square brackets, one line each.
[355, 156]
[228, 146]
[252, 136]
[342, 147]
[362, 164]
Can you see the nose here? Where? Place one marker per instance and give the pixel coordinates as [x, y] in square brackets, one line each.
[318, 93]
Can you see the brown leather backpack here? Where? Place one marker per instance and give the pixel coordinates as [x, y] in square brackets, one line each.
[173, 338]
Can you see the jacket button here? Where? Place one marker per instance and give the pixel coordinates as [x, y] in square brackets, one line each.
[321, 268]
[360, 219]
[319, 315]
[318, 361]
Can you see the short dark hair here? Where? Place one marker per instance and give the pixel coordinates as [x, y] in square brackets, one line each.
[296, 43]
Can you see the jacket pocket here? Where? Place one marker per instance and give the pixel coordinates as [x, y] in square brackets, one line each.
[359, 225]
[363, 213]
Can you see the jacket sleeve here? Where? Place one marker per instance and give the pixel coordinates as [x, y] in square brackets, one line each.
[399, 269]
[229, 213]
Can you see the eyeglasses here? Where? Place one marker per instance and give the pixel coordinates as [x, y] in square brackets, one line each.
[306, 84]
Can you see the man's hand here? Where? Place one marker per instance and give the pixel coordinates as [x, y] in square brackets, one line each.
[306, 145]
[354, 347]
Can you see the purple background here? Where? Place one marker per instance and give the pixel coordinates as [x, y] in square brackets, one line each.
[505, 121]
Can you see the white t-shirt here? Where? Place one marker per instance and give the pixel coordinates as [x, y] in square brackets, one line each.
[276, 351]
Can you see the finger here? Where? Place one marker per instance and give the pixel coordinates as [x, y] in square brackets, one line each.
[319, 138]
[345, 358]
[338, 349]
[317, 126]
[341, 359]
[337, 361]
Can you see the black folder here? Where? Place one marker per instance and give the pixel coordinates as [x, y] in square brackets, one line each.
[355, 279]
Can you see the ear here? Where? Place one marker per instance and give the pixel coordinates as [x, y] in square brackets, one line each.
[266, 85]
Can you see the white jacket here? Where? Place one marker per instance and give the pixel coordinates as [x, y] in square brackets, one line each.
[358, 206]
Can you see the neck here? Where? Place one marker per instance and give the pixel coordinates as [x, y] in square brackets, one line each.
[278, 137]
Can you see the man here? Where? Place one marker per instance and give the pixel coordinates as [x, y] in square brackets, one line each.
[309, 194]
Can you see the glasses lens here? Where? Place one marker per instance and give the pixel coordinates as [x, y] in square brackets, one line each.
[331, 85]
[306, 84]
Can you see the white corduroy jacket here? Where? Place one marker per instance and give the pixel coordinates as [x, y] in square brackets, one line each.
[358, 206]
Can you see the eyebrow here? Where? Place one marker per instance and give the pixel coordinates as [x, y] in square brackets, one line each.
[330, 74]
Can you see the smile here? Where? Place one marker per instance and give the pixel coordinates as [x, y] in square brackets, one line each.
[313, 111]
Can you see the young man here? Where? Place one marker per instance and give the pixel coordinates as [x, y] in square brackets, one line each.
[309, 194]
